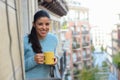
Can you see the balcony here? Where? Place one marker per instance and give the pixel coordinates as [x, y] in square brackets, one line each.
[117, 42]
[75, 45]
[87, 57]
[58, 7]
[85, 32]
[85, 44]
[76, 34]
[78, 64]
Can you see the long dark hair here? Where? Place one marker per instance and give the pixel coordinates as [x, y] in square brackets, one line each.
[33, 38]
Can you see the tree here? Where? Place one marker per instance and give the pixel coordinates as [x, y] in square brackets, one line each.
[87, 74]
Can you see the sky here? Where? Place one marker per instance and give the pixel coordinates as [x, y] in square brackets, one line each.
[102, 13]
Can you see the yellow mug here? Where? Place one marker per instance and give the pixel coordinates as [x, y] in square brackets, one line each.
[49, 58]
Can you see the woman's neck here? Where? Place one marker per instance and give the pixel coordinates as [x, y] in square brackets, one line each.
[41, 38]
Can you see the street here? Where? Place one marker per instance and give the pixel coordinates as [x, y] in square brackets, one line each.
[100, 57]
[112, 77]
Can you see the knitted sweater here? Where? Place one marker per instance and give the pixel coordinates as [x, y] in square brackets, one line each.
[32, 69]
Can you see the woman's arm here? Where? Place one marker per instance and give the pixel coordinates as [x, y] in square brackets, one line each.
[29, 63]
[28, 55]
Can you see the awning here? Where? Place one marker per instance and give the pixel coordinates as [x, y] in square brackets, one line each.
[58, 7]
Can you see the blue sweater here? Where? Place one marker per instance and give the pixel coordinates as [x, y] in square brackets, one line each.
[32, 69]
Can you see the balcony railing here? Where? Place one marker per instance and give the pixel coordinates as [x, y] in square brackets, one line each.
[117, 41]
[85, 32]
[63, 64]
[87, 57]
[84, 44]
[75, 33]
[75, 46]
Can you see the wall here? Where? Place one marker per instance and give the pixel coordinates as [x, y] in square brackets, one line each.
[29, 7]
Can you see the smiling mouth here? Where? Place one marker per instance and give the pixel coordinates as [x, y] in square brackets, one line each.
[43, 32]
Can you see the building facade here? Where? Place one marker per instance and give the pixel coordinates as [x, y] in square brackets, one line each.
[99, 37]
[116, 46]
[78, 23]
[77, 36]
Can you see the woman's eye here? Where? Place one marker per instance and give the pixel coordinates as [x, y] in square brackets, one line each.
[40, 24]
[47, 24]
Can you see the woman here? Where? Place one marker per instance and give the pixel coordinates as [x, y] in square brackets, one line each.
[36, 43]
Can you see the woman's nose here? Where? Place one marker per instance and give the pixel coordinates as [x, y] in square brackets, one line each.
[44, 26]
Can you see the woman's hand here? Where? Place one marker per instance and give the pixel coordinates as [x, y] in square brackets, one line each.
[39, 58]
[55, 61]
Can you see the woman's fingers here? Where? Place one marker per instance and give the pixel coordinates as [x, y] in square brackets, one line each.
[39, 58]
[55, 61]
[40, 61]
[40, 55]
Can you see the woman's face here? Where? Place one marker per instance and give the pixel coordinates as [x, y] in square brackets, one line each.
[42, 26]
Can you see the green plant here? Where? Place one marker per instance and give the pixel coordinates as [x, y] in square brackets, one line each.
[64, 25]
[104, 64]
[76, 71]
[92, 48]
[87, 74]
[116, 59]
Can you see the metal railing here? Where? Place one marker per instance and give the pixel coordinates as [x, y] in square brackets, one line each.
[63, 64]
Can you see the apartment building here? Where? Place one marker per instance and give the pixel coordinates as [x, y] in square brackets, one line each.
[109, 48]
[99, 36]
[116, 38]
[116, 45]
[78, 35]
